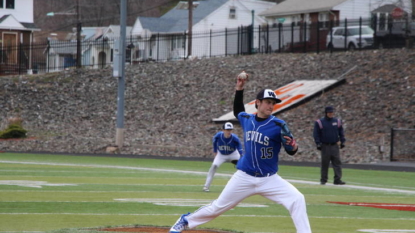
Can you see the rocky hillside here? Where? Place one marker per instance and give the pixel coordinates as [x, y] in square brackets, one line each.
[169, 106]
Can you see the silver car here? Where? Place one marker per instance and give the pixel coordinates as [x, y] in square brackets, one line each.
[355, 36]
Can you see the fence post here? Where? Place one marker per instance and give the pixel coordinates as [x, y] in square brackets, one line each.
[259, 39]
[158, 45]
[210, 43]
[391, 155]
[279, 37]
[305, 38]
[375, 26]
[268, 39]
[318, 37]
[292, 37]
[237, 44]
[360, 33]
[184, 52]
[20, 58]
[103, 49]
[226, 42]
[250, 38]
[47, 57]
[345, 34]
[331, 36]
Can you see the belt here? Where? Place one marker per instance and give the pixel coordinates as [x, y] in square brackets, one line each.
[258, 174]
[331, 144]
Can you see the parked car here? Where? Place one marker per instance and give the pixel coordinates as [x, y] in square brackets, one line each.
[350, 38]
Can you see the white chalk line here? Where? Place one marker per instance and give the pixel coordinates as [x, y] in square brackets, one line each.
[204, 174]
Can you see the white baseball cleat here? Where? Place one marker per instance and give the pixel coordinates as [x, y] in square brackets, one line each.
[180, 224]
[206, 189]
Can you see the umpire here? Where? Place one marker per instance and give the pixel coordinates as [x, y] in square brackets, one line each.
[328, 132]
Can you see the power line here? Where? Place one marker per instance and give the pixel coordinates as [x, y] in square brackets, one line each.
[108, 18]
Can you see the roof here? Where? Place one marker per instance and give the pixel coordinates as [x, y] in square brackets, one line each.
[114, 31]
[176, 20]
[388, 8]
[3, 18]
[65, 47]
[26, 26]
[293, 7]
[157, 24]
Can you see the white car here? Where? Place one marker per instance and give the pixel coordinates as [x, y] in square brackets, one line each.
[357, 37]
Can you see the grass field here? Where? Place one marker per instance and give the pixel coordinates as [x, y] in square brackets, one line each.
[60, 193]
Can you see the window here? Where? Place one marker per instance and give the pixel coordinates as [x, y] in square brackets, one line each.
[339, 32]
[177, 42]
[10, 4]
[323, 19]
[296, 19]
[232, 12]
[1, 3]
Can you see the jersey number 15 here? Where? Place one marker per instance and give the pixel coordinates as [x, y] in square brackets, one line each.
[267, 153]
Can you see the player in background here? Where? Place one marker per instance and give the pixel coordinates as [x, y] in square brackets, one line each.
[264, 136]
[226, 148]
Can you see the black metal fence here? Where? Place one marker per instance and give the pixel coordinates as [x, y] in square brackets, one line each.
[300, 37]
[402, 146]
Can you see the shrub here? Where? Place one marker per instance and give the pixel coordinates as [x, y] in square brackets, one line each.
[13, 131]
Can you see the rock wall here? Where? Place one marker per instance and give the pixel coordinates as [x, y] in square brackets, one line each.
[169, 106]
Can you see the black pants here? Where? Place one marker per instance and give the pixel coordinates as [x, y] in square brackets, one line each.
[330, 153]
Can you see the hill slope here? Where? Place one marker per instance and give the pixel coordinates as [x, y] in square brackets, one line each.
[169, 106]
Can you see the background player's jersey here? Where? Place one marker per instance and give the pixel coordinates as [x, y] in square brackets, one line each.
[226, 145]
[262, 142]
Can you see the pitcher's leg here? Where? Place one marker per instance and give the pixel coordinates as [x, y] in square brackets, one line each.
[237, 189]
[284, 193]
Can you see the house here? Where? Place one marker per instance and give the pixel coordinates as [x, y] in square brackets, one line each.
[16, 28]
[219, 18]
[317, 15]
[99, 47]
[393, 27]
[97, 44]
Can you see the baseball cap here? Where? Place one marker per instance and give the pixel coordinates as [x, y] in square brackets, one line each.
[329, 109]
[268, 94]
[228, 125]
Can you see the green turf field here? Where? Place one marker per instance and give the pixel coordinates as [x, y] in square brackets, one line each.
[58, 193]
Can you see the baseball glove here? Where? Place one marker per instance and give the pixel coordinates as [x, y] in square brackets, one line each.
[234, 162]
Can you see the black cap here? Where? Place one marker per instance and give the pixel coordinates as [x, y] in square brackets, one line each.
[268, 94]
[329, 109]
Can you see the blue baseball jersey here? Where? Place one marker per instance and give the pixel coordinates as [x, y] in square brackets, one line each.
[226, 145]
[263, 141]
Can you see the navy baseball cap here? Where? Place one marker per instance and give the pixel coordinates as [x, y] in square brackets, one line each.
[268, 94]
[227, 125]
[329, 109]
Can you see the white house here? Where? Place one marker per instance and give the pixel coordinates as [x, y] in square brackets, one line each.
[99, 51]
[96, 48]
[16, 27]
[298, 12]
[215, 22]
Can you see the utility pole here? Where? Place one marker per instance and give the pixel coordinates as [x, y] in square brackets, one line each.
[78, 37]
[119, 71]
[189, 43]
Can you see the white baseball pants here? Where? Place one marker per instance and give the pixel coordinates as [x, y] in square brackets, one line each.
[242, 185]
[219, 160]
